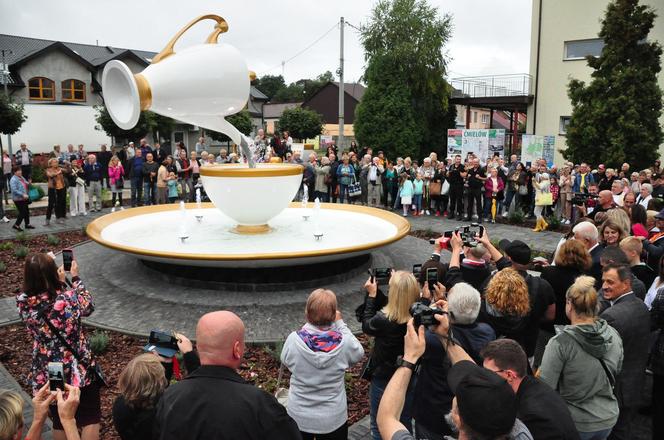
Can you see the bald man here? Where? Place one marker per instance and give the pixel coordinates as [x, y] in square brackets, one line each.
[214, 402]
[604, 203]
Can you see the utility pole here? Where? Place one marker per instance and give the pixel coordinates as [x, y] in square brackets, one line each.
[340, 140]
[5, 78]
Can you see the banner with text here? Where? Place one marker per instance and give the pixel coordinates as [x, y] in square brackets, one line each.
[484, 143]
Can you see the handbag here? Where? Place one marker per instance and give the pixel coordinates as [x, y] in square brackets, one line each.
[99, 374]
[544, 199]
[523, 190]
[80, 181]
[354, 189]
[282, 392]
[33, 193]
[445, 189]
[119, 183]
[435, 188]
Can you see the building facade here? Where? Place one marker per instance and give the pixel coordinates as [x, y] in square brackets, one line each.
[563, 33]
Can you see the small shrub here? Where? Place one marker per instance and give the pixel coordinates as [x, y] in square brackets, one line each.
[99, 342]
[52, 240]
[6, 246]
[554, 223]
[517, 217]
[3, 267]
[21, 252]
[22, 236]
[275, 351]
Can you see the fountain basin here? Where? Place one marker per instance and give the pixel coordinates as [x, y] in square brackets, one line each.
[151, 233]
[251, 196]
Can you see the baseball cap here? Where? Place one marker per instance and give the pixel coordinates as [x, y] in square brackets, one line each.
[660, 215]
[485, 400]
[517, 250]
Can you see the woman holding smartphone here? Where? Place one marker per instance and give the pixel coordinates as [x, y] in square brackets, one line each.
[48, 306]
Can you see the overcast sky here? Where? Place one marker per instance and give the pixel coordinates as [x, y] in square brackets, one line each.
[489, 37]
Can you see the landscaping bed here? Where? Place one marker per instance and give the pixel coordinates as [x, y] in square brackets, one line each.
[260, 367]
[13, 252]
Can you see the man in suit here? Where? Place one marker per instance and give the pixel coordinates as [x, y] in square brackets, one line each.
[630, 317]
[587, 233]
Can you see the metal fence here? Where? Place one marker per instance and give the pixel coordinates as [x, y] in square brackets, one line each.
[492, 86]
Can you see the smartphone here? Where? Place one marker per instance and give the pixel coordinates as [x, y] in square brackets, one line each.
[432, 277]
[417, 270]
[56, 376]
[165, 344]
[67, 258]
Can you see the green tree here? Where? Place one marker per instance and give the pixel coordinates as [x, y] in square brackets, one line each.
[270, 84]
[301, 123]
[148, 123]
[615, 117]
[404, 43]
[12, 115]
[241, 121]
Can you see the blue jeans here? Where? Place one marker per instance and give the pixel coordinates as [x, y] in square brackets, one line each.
[343, 192]
[149, 191]
[417, 201]
[136, 190]
[596, 435]
[376, 390]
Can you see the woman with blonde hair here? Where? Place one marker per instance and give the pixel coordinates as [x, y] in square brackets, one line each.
[589, 344]
[506, 306]
[388, 326]
[318, 355]
[543, 197]
[621, 219]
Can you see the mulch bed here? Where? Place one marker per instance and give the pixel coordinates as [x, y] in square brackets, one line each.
[261, 367]
[11, 279]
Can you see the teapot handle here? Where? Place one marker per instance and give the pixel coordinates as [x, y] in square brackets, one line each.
[219, 29]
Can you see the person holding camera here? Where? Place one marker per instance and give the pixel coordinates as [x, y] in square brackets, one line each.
[318, 356]
[433, 397]
[388, 326]
[51, 307]
[472, 269]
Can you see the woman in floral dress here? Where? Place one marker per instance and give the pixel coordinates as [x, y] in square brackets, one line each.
[46, 297]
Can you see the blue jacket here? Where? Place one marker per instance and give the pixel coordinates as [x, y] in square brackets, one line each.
[577, 182]
[92, 172]
[19, 190]
[136, 167]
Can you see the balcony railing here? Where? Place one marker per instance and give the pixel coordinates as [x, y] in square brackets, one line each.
[492, 86]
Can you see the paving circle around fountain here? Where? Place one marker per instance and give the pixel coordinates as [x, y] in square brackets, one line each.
[134, 297]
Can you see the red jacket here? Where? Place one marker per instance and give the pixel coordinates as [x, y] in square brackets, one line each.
[489, 189]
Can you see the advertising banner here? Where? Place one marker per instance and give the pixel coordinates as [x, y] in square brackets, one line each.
[537, 147]
[454, 139]
[481, 142]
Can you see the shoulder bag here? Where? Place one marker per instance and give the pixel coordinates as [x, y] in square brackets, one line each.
[98, 373]
[354, 189]
[435, 189]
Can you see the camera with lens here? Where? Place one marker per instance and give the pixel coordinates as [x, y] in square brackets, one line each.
[424, 315]
[469, 234]
[580, 198]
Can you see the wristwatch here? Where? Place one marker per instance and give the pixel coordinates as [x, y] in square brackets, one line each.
[401, 362]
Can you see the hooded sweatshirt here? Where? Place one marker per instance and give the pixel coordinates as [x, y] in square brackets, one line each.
[317, 359]
[569, 357]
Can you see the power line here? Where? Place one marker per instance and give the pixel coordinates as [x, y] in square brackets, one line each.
[336, 25]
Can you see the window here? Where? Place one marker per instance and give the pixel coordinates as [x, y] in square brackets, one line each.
[73, 90]
[564, 122]
[485, 118]
[41, 89]
[580, 49]
[474, 116]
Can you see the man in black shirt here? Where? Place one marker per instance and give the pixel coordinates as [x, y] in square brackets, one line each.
[476, 179]
[540, 408]
[456, 175]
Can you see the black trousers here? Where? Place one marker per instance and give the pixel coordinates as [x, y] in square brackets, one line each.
[57, 198]
[340, 433]
[23, 212]
[456, 199]
[657, 406]
[623, 427]
[475, 198]
[26, 171]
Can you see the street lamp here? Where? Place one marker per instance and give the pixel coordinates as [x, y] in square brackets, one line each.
[4, 70]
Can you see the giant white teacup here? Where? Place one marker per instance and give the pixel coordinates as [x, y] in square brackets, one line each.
[251, 196]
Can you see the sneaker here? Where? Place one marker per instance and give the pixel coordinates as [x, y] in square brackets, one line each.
[72, 215]
[29, 227]
[113, 209]
[405, 214]
[437, 213]
[18, 228]
[117, 203]
[505, 214]
[121, 208]
[85, 213]
[60, 221]
[4, 219]
[427, 212]
[47, 222]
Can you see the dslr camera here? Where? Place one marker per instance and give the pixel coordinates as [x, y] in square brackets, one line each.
[580, 198]
[469, 234]
[424, 315]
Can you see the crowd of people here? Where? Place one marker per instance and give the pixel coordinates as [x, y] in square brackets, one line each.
[486, 350]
